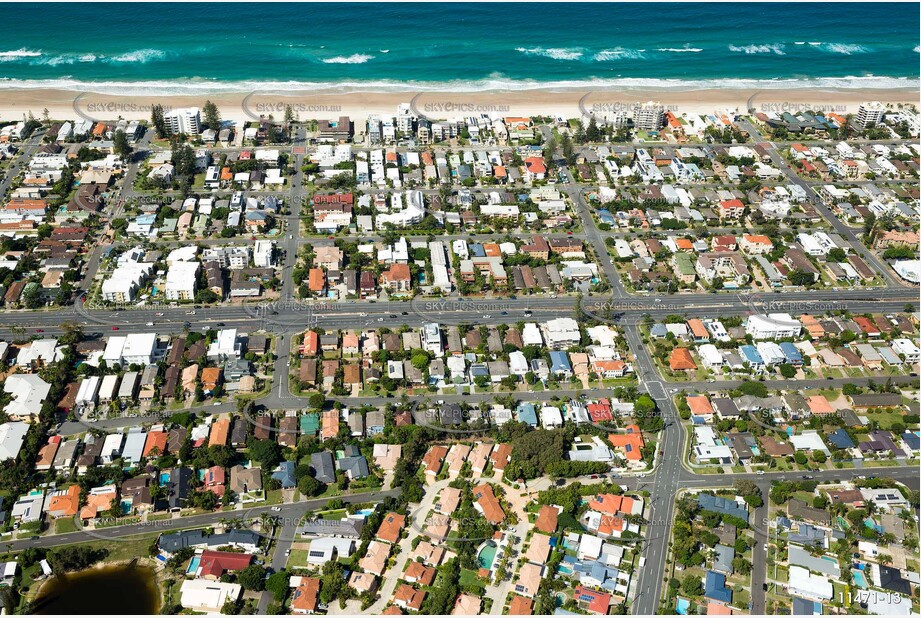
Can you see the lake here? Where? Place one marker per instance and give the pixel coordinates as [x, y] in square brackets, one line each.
[119, 589]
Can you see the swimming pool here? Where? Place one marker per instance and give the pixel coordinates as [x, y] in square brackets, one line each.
[682, 606]
[164, 478]
[193, 565]
[487, 555]
[860, 580]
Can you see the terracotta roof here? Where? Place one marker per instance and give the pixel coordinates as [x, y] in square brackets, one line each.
[220, 429]
[419, 573]
[629, 444]
[305, 595]
[391, 527]
[216, 563]
[409, 596]
[155, 439]
[680, 360]
[316, 280]
[699, 405]
[520, 606]
[64, 503]
[547, 519]
[488, 503]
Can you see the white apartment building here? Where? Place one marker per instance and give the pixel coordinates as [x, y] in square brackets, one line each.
[648, 116]
[263, 254]
[870, 114]
[234, 258]
[186, 120]
[772, 326]
[181, 280]
[125, 280]
[431, 339]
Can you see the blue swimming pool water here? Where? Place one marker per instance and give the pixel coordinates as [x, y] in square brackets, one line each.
[487, 555]
[860, 579]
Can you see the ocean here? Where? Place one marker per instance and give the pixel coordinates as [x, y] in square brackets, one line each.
[197, 48]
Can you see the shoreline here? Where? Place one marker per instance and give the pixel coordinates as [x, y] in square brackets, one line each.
[568, 103]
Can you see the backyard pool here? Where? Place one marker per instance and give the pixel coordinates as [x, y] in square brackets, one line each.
[860, 580]
[193, 565]
[487, 555]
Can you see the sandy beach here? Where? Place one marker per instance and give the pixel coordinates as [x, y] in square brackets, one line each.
[65, 104]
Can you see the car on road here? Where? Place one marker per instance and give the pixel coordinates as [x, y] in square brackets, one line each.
[287, 553]
[528, 313]
[276, 509]
[760, 472]
[159, 314]
[808, 477]
[39, 330]
[504, 313]
[150, 324]
[192, 312]
[363, 315]
[486, 316]
[393, 315]
[405, 313]
[380, 319]
[114, 328]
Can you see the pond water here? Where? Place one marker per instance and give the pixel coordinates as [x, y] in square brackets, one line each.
[111, 590]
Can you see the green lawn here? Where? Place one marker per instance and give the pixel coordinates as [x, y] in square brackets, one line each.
[64, 525]
[297, 558]
[469, 578]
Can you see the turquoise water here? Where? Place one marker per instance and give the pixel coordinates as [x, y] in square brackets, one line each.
[487, 555]
[860, 579]
[682, 606]
[193, 48]
[193, 565]
[164, 478]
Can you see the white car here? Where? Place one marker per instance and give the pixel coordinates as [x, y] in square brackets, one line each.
[364, 315]
[150, 324]
[277, 509]
[380, 319]
[486, 316]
